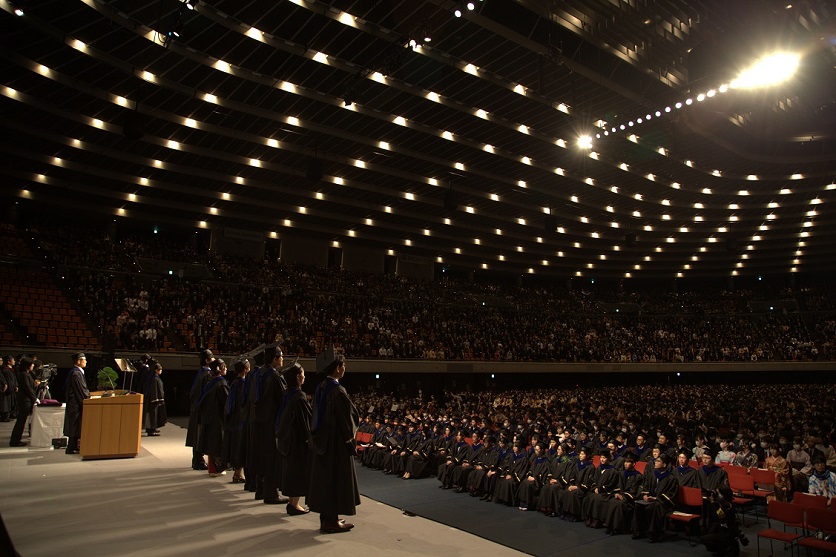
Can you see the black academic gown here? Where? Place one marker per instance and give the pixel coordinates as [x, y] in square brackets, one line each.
[710, 478]
[7, 397]
[649, 517]
[454, 458]
[414, 441]
[272, 390]
[529, 488]
[549, 499]
[333, 488]
[76, 392]
[620, 509]
[235, 425]
[514, 471]
[580, 475]
[292, 436]
[486, 461]
[686, 476]
[199, 381]
[210, 417]
[463, 470]
[154, 403]
[417, 464]
[608, 482]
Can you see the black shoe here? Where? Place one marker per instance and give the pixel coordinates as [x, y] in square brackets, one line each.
[18, 444]
[293, 511]
[272, 502]
[459, 490]
[636, 536]
[72, 451]
[199, 466]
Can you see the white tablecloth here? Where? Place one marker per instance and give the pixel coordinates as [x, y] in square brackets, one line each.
[47, 424]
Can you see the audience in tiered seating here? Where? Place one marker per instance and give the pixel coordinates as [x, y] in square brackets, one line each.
[385, 316]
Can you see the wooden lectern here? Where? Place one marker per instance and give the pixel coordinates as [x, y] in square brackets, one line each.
[111, 426]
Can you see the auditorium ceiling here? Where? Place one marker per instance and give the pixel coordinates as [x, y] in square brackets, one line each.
[398, 125]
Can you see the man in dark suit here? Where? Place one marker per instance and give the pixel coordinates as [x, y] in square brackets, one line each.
[76, 393]
[25, 399]
[333, 490]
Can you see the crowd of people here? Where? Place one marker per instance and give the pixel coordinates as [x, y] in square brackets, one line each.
[534, 450]
[387, 316]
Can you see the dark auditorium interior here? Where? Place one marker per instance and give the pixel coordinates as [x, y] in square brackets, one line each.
[465, 198]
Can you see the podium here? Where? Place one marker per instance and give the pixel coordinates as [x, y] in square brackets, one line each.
[111, 426]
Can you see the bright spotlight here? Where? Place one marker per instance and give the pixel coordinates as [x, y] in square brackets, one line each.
[585, 142]
[770, 70]
[457, 12]
[471, 6]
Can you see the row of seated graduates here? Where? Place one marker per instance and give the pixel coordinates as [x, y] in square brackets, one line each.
[595, 485]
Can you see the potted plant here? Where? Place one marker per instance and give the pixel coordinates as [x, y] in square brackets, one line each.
[107, 378]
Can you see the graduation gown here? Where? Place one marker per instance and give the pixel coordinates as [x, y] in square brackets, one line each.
[292, 435]
[454, 458]
[270, 392]
[487, 460]
[76, 392]
[195, 391]
[686, 476]
[414, 441]
[210, 417]
[7, 397]
[333, 487]
[580, 475]
[529, 488]
[620, 509]
[608, 482]
[418, 464]
[235, 425]
[154, 403]
[649, 517]
[710, 478]
[549, 499]
[463, 470]
[514, 470]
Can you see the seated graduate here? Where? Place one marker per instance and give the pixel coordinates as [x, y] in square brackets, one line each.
[620, 508]
[513, 471]
[454, 457]
[529, 488]
[462, 471]
[396, 445]
[642, 450]
[486, 460]
[710, 478]
[658, 499]
[505, 452]
[414, 439]
[549, 501]
[376, 429]
[373, 455]
[579, 482]
[420, 461]
[683, 472]
[607, 481]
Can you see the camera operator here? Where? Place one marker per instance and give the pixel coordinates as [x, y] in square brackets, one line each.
[25, 399]
[723, 536]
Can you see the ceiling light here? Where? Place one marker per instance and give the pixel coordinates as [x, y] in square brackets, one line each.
[769, 70]
[191, 4]
[585, 142]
